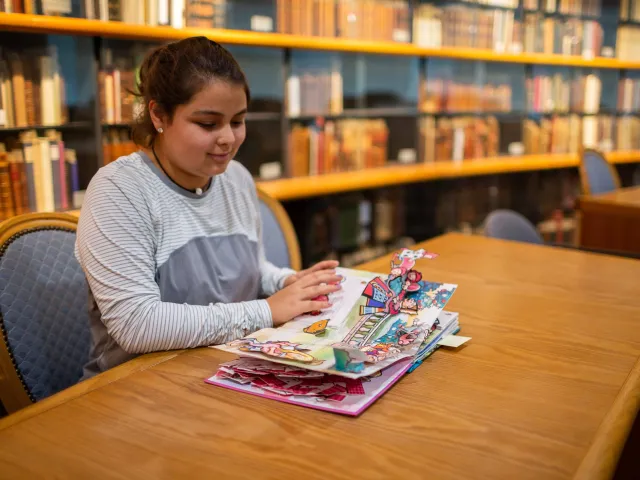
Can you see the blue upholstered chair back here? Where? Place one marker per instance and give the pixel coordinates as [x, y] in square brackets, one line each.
[280, 243]
[510, 225]
[598, 172]
[43, 302]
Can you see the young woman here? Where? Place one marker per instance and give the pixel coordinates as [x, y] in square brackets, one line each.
[170, 236]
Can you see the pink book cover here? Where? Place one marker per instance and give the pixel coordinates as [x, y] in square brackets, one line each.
[352, 405]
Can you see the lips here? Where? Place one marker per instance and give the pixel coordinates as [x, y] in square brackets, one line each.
[220, 157]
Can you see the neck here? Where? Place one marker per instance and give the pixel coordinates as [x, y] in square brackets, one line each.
[177, 176]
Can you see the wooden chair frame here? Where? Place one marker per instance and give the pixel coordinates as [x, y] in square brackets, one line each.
[584, 176]
[289, 232]
[14, 393]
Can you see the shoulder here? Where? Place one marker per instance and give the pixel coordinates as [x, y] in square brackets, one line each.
[127, 169]
[129, 174]
[127, 180]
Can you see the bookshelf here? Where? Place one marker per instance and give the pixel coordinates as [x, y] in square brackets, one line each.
[399, 92]
[40, 24]
[332, 183]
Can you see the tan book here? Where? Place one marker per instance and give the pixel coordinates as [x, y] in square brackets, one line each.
[18, 89]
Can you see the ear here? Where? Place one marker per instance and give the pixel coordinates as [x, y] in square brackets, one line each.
[158, 116]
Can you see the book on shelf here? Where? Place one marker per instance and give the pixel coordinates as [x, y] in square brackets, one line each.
[32, 89]
[556, 93]
[628, 95]
[375, 20]
[116, 143]
[466, 26]
[329, 146]
[627, 41]
[628, 133]
[40, 174]
[630, 10]
[117, 86]
[315, 90]
[459, 138]
[572, 36]
[440, 95]
[567, 133]
[357, 19]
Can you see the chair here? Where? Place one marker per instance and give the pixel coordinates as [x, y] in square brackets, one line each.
[510, 225]
[596, 174]
[43, 308]
[279, 237]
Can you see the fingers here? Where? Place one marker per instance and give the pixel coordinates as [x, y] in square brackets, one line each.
[324, 265]
[317, 278]
[313, 292]
[312, 305]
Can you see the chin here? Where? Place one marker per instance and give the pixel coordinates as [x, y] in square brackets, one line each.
[217, 169]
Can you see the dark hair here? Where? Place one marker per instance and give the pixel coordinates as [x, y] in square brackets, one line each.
[173, 73]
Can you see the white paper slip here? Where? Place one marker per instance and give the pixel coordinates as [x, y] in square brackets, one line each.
[453, 341]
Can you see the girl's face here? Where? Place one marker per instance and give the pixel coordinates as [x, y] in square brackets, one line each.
[204, 134]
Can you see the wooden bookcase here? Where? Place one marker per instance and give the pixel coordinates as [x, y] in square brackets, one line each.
[101, 33]
[400, 71]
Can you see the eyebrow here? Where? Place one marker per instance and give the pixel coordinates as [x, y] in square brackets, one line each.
[213, 112]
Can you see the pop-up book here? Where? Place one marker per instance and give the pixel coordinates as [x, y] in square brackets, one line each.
[343, 358]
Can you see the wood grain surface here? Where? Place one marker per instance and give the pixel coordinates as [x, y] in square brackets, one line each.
[546, 384]
[610, 221]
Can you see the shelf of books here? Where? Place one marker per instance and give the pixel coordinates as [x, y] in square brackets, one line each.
[304, 187]
[347, 95]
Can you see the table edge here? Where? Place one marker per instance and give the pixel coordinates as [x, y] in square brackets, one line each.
[604, 453]
[601, 201]
[112, 375]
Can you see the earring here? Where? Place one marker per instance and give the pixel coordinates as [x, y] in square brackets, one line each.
[160, 130]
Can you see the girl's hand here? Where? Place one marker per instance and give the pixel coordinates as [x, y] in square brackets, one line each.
[297, 298]
[328, 265]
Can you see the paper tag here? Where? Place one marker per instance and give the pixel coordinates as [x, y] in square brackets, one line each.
[54, 152]
[56, 6]
[588, 55]
[606, 145]
[260, 23]
[607, 52]
[515, 48]
[269, 171]
[453, 341]
[3, 118]
[407, 155]
[400, 35]
[516, 148]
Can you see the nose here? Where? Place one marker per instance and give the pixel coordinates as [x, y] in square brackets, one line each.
[225, 136]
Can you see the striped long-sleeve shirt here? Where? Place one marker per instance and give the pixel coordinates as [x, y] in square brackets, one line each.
[168, 268]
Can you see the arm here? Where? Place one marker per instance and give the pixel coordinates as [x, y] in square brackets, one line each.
[115, 247]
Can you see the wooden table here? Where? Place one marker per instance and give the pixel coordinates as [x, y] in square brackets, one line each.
[547, 389]
[611, 221]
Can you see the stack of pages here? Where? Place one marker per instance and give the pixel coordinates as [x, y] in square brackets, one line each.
[342, 359]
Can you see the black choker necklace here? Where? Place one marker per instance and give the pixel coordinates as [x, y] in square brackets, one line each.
[197, 191]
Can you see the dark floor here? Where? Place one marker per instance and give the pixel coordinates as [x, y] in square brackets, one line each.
[629, 464]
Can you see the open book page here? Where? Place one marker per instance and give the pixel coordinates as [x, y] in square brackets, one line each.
[375, 321]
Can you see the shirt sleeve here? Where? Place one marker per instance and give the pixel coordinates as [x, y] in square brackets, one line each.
[116, 247]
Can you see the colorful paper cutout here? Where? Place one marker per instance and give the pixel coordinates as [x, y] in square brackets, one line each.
[317, 328]
[276, 349]
[375, 321]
